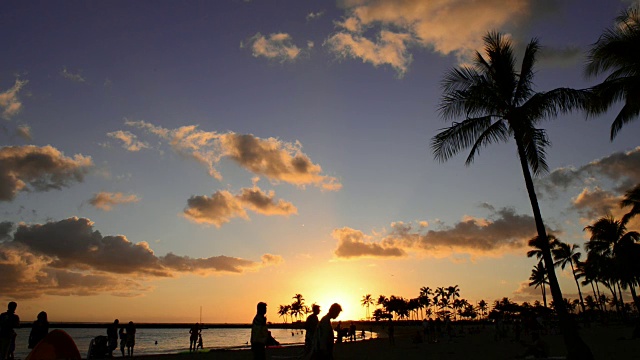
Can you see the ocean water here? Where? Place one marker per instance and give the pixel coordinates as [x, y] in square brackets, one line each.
[169, 340]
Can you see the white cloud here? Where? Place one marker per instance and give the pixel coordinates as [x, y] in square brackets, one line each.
[273, 158]
[9, 101]
[107, 200]
[129, 140]
[222, 206]
[278, 46]
[503, 231]
[32, 168]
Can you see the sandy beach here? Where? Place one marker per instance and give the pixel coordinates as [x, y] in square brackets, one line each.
[607, 343]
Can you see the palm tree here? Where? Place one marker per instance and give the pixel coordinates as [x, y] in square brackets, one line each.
[613, 245]
[366, 301]
[565, 254]
[283, 311]
[631, 198]
[498, 103]
[536, 244]
[382, 300]
[615, 53]
[538, 279]
[297, 307]
[482, 306]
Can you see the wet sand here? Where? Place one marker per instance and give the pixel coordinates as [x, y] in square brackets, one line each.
[606, 342]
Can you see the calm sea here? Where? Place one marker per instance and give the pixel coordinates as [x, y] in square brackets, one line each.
[169, 340]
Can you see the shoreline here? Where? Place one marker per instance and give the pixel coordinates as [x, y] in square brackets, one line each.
[610, 341]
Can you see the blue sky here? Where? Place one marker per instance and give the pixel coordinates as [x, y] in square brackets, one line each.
[308, 169]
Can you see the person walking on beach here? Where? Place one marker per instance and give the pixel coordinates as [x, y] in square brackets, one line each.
[112, 336]
[39, 330]
[8, 322]
[324, 334]
[310, 327]
[193, 338]
[259, 332]
[131, 338]
[123, 339]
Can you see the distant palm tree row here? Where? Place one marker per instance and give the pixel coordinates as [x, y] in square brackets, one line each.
[497, 103]
[442, 302]
[613, 258]
[297, 309]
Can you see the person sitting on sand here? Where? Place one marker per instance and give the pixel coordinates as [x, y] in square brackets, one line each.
[271, 341]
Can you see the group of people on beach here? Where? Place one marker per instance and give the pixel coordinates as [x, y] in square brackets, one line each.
[195, 338]
[319, 337]
[126, 334]
[9, 321]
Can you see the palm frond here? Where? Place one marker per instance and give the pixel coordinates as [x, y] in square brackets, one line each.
[628, 113]
[458, 136]
[497, 132]
[524, 87]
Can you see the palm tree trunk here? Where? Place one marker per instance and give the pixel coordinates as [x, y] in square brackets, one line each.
[599, 296]
[576, 347]
[636, 301]
[578, 285]
[544, 295]
[621, 300]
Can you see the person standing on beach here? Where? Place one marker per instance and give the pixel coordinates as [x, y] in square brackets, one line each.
[123, 339]
[112, 336]
[324, 334]
[8, 322]
[259, 332]
[131, 338]
[310, 327]
[39, 330]
[193, 338]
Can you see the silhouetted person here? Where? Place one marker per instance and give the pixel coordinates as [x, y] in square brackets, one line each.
[200, 344]
[339, 332]
[123, 339]
[259, 332]
[352, 332]
[39, 329]
[131, 338]
[324, 334]
[310, 327]
[391, 330]
[193, 338]
[112, 336]
[8, 322]
[271, 341]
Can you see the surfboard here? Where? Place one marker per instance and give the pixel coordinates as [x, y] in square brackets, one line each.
[56, 345]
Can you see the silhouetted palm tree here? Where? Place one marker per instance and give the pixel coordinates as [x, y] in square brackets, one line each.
[616, 53]
[482, 306]
[498, 103]
[283, 311]
[297, 307]
[366, 301]
[539, 279]
[565, 254]
[631, 198]
[613, 245]
[537, 245]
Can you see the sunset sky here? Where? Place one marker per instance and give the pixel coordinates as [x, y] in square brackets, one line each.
[162, 156]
